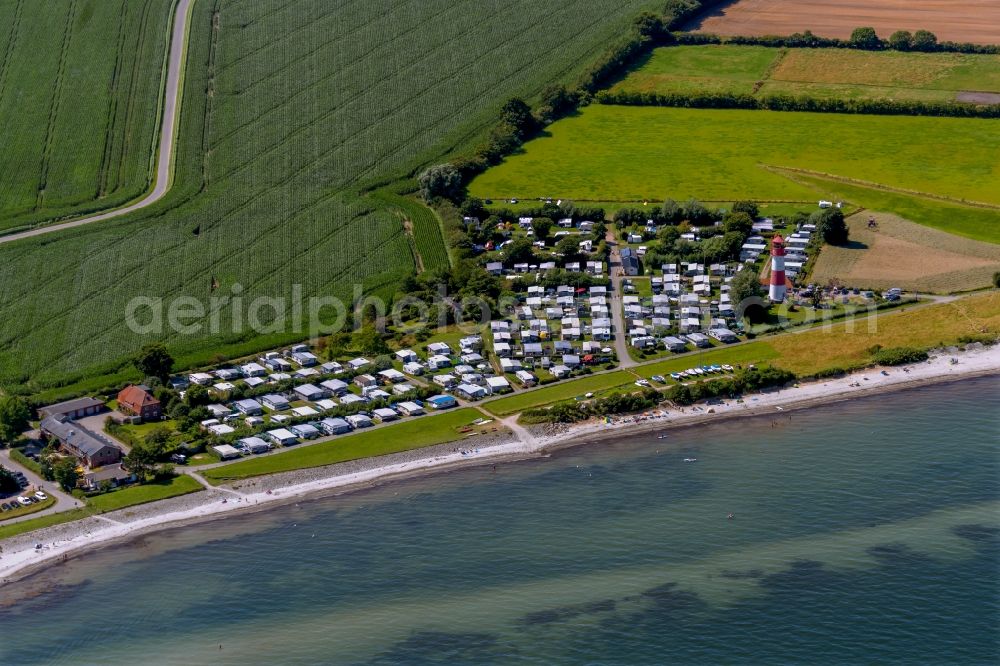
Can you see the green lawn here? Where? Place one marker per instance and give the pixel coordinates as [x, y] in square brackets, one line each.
[819, 73]
[150, 492]
[8, 531]
[698, 69]
[410, 434]
[980, 224]
[614, 152]
[562, 391]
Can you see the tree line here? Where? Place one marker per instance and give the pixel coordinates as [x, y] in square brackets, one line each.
[724, 100]
[864, 38]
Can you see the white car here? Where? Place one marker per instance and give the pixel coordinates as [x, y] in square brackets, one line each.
[41, 496]
[23, 501]
[642, 382]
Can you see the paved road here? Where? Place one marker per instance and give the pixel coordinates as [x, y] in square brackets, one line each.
[625, 360]
[171, 107]
[64, 502]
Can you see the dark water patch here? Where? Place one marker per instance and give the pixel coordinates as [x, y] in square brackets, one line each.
[740, 575]
[897, 555]
[800, 574]
[669, 598]
[40, 597]
[978, 534]
[436, 647]
[552, 615]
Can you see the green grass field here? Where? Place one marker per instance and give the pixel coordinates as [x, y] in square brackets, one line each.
[614, 152]
[412, 434]
[982, 224]
[558, 392]
[80, 83]
[15, 529]
[307, 104]
[149, 492]
[819, 73]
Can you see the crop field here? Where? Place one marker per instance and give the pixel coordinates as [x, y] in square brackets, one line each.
[80, 84]
[976, 21]
[817, 73]
[614, 152]
[907, 255]
[291, 109]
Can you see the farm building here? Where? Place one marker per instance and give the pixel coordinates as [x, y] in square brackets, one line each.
[137, 401]
[90, 448]
[73, 409]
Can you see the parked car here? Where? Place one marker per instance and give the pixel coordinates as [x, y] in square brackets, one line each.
[23, 501]
[41, 496]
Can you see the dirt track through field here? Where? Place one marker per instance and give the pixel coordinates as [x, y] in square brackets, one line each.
[976, 21]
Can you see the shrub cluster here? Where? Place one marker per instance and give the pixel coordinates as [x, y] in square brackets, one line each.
[746, 380]
[616, 403]
[899, 356]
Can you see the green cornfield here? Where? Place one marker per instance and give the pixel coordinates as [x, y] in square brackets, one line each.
[293, 110]
[80, 84]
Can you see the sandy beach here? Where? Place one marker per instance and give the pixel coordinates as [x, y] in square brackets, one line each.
[23, 555]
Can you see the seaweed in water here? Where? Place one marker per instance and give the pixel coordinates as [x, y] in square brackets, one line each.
[739, 575]
[896, 554]
[439, 647]
[551, 615]
[978, 533]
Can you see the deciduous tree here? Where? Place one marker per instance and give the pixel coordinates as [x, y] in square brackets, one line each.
[154, 361]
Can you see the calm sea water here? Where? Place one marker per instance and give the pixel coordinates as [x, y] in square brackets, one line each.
[864, 532]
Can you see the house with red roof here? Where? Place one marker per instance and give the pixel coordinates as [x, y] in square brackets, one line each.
[138, 401]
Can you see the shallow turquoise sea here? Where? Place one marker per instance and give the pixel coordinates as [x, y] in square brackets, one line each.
[863, 532]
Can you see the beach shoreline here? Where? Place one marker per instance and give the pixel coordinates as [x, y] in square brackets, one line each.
[21, 559]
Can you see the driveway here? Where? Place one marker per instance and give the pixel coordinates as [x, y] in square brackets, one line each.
[617, 307]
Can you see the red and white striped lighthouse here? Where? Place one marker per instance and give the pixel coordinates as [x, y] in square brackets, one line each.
[777, 290]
